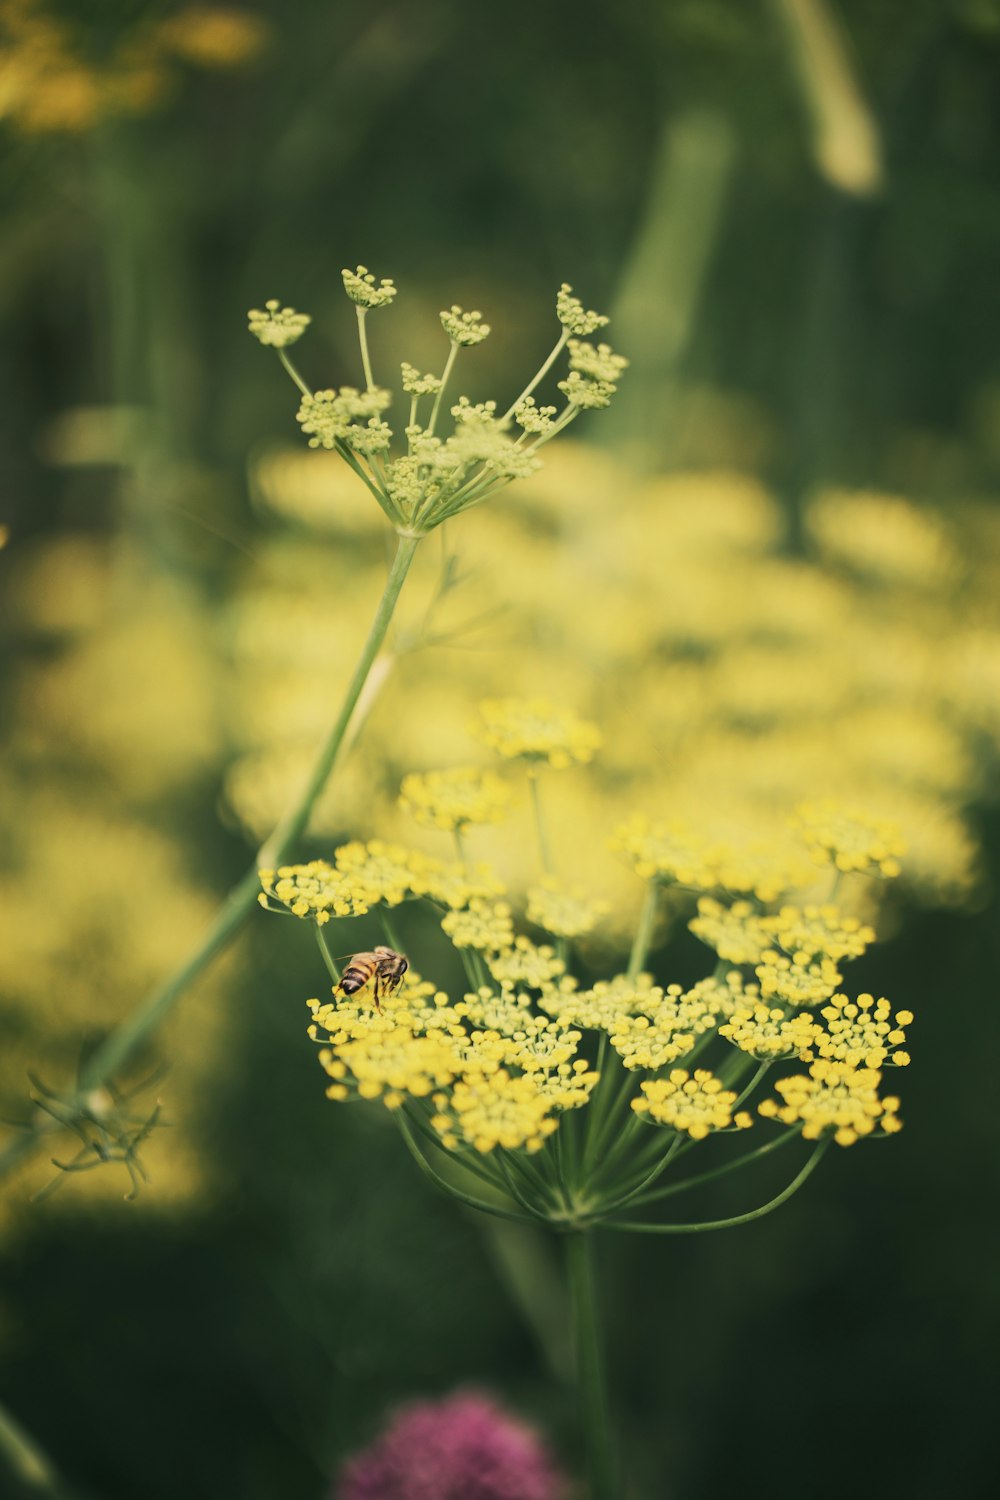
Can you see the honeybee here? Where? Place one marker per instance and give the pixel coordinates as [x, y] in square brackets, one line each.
[383, 965]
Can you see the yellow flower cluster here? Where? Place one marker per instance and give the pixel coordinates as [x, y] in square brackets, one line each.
[668, 851]
[883, 537]
[277, 326]
[499, 1074]
[696, 1104]
[564, 912]
[650, 1042]
[535, 730]
[316, 890]
[496, 1109]
[482, 924]
[723, 994]
[850, 839]
[862, 1033]
[362, 288]
[525, 963]
[389, 873]
[736, 932]
[363, 875]
[602, 1007]
[799, 980]
[665, 1029]
[391, 1063]
[769, 1034]
[455, 799]
[817, 930]
[834, 1098]
[506, 1012]
[543, 1046]
[417, 1006]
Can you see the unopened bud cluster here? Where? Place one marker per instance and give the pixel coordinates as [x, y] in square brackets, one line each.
[438, 476]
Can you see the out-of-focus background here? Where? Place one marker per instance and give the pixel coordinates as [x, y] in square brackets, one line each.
[770, 572]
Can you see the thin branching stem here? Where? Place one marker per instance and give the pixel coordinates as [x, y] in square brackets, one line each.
[546, 367]
[389, 929]
[734, 1165]
[642, 942]
[363, 341]
[637, 1227]
[333, 967]
[658, 1169]
[445, 376]
[449, 1187]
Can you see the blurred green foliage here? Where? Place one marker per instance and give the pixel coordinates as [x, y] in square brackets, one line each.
[236, 1335]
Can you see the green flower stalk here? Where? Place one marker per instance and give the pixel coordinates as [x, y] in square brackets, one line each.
[536, 1098]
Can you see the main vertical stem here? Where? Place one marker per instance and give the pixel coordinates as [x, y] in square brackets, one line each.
[591, 1368]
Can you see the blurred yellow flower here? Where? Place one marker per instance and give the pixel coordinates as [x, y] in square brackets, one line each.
[455, 799]
[537, 731]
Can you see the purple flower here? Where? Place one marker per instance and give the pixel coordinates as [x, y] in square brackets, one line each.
[465, 1447]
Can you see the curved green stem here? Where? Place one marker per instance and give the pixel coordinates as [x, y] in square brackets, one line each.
[546, 367]
[591, 1369]
[745, 1093]
[748, 1218]
[333, 967]
[448, 1187]
[465, 1160]
[389, 930]
[515, 1191]
[363, 340]
[660, 1167]
[123, 1042]
[445, 375]
[293, 372]
[730, 1166]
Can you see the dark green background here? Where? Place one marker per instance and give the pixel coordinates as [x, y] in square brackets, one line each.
[483, 155]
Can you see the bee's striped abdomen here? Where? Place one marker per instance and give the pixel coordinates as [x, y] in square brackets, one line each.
[356, 977]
